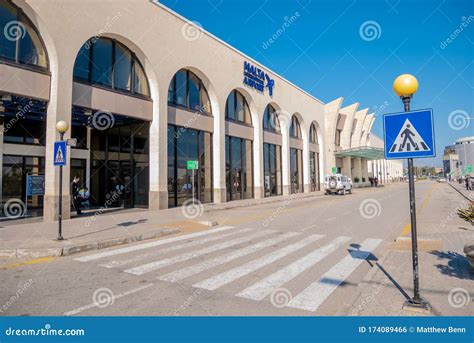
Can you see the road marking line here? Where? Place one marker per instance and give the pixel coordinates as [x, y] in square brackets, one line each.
[315, 294]
[27, 263]
[261, 289]
[119, 263]
[407, 228]
[183, 273]
[236, 273]
[149, 267]
[151, 244]
[115, 297]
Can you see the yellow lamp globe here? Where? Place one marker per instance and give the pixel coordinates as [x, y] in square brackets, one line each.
[62, 126]
[405, 85]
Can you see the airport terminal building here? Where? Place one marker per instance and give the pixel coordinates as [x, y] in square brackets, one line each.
[145, 92]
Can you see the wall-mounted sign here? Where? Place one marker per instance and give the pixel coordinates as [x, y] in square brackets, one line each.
[258, 79]
[34, 185]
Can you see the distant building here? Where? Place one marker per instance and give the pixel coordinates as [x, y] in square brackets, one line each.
[459, 157]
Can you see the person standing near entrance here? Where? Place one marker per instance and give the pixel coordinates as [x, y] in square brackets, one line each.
[75, 194]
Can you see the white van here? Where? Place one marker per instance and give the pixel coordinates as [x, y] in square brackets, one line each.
[337, 184]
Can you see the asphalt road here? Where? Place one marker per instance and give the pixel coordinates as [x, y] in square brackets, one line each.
[298, 257]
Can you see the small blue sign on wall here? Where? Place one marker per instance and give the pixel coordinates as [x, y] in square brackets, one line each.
[34, 185]
[60, 152]
[409, 134]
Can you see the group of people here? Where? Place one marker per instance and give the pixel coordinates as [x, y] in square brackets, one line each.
[374, 181]
[469, 182]
[79, 195]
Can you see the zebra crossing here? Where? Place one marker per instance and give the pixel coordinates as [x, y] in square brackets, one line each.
[264, 261]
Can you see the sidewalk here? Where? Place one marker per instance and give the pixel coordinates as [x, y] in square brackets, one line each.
[97, 230]
[461, 188]
[446, 278]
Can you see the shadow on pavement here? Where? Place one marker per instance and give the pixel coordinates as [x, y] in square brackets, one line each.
[457, 265]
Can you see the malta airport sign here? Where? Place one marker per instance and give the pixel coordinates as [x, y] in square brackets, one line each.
[258, 79]
[409, 134]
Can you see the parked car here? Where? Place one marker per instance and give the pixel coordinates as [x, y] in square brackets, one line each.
[337, 184]
[441, 179]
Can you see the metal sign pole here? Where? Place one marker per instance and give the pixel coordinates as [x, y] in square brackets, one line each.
[60, 215]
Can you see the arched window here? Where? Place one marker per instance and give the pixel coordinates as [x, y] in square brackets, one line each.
[295, 129]
[19, 41]
[313, 134]
[270, 120]
[237, 109]
[187, 90]
[108, 63]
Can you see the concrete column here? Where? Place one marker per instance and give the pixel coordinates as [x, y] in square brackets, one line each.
[306, 176]
[347, 166]
[59, 108]
[1, 159]
[259, 188]
[158, 195]
[364, 167]
[285, 157]
[357, 169]
[218, 147]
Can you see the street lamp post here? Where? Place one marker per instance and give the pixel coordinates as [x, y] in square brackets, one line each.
[405, 86]
[61, 127]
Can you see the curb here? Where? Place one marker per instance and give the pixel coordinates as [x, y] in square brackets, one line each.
[457, 190]
[78, 248]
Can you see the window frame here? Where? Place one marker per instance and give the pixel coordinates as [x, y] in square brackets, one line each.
[201, 87]
[245, 107]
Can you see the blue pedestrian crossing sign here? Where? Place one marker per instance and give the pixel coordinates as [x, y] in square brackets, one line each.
[409, 134]
[60, 151]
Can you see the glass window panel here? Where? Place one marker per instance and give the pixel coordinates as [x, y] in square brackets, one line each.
[266, 125]
[230, 108]
[194, 96]
[80, 133]
[102, 62]
[205, 102]
[140, 84]
[240, 108]
[8, 15]
[180, 88]
[82, 65]
[31, 48]
[122, 68]
[248, 118]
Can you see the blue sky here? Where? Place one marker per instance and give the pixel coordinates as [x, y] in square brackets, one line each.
[326, 51]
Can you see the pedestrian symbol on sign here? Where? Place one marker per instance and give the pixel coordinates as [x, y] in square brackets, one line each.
[408, 139]
[60, 153]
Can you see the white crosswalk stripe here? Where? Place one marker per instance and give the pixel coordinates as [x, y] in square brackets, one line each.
[236, 273]
[149, 267]
[120, 263]
[261, 289]
[315, 294]
[151, 244]
[183, 273]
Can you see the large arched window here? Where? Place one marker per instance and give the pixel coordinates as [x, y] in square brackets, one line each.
[187, 91]
[270, 120]
[295, 128]
[313, 134]
[237, 108]
[19, 41]
[108, 63]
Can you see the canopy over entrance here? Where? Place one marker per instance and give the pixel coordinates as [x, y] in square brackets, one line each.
[367, 152]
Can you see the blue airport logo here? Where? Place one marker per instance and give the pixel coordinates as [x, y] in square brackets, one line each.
[256, 78]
